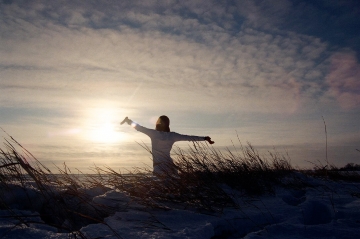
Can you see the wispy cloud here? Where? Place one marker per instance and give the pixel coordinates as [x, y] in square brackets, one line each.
[233, 62]
[187, 47]
[343, 79]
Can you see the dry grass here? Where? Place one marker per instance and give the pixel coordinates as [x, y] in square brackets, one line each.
[60, 200]
[331, 172]
[206, 181]
[204, 178]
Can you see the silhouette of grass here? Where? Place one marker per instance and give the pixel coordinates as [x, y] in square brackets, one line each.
[204, 175]
[332, 172]
[207, 180]
[60, 200]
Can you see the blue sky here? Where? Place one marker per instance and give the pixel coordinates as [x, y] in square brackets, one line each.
[267, 71]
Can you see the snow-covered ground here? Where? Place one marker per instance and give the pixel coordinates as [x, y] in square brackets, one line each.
[317, 208]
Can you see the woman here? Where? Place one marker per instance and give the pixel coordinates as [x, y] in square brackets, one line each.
[162, 141]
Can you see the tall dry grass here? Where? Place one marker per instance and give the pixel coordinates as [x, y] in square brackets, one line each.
[207, 181]
[60, 200]
[205, 177]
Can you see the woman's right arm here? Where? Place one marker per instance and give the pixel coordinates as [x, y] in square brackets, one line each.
[182, 137]
[207, 138]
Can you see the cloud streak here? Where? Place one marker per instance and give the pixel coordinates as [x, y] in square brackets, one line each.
[343, 80]
[185, 47]
[183, 57]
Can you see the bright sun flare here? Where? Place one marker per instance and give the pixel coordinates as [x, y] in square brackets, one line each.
[102, 126]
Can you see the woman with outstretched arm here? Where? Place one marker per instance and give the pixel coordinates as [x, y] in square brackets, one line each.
[162, 141]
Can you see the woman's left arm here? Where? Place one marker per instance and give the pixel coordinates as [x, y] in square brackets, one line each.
[142, 129]
[126, 120]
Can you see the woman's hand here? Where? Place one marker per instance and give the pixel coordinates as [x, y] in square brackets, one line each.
[207, 138]
[126, 120]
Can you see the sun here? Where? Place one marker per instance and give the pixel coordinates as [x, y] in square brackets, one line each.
[104, 132]
[102, 125]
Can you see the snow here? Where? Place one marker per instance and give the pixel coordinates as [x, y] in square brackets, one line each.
[317, 209]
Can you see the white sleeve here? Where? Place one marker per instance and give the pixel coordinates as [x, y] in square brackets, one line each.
[142, 129]
[182, 137]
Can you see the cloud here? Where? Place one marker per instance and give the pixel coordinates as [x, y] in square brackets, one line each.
[102, 50]
[343, 79]
[331, 21]
[257, 67]
[264, 14]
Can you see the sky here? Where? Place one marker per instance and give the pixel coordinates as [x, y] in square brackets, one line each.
[271, 73]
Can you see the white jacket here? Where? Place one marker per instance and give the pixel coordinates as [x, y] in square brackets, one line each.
[162, 143]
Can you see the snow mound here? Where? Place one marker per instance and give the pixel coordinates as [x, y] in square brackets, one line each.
[316, 212]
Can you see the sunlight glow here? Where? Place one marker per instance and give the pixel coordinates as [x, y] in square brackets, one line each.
[102, 126]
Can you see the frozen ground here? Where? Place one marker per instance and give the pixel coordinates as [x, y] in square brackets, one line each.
[315, 209]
